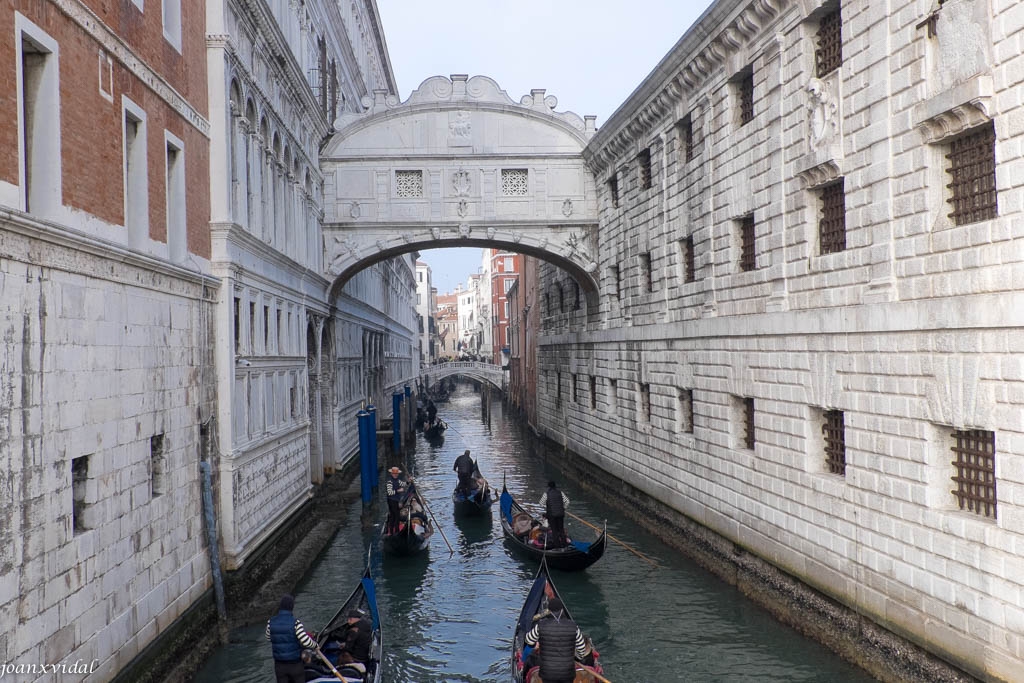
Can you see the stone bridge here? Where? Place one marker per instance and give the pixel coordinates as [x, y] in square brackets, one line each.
[485, 372]
[460, 164]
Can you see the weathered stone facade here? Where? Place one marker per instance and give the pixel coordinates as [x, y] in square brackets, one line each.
[799, 395]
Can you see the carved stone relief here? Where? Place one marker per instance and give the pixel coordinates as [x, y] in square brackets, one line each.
[461, 183]
[355, 211]
[567, 208]
[822, 111]
[464, 230]
[459, 127]
[463, 208]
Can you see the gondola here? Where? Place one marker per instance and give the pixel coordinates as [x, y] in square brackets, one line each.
[535, 604]
[477, 501]
[363, 599]
[414, 529]
[436, 430]
[575, 556]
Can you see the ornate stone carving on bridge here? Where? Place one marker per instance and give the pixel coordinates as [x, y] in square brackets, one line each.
[461, 183]
[355, 212]
[567, 207]
[464, 230]
[463, 208]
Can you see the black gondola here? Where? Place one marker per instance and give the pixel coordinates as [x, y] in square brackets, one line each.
[436, 430]
[536, 603]
[574, 556]
[414, 528]
[363, 599]
[477, 501]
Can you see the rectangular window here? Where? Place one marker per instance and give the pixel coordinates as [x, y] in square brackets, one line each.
[593, 393]
[613, 395]
[834, 432]
[38, 118]
[686, 259]
[972, 167]
[645, 272]
[613, 190]
[293, 406]
[617, 281]
[157, 464]
[748, 423]
[645, 402]
[974, 459]
[506, 310]
[420, 275]
[558, 388]
[408, 184]
[136, 178]
[508, 284]
[177, 247]
[684, 411]
[575, 388]
[832, 222]
[684, 138]
[79, 481]
[252, 327]
[828, 52]
[747, 241]
[744, 85]
[266, 330]
[509, 267]
[514, 182]
[172, 22]
[237, 328]
[280, 332]
[643, 161]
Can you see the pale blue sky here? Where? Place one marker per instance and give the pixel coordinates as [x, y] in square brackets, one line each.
[590, 54]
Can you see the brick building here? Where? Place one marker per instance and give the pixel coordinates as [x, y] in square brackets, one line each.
[505, 268]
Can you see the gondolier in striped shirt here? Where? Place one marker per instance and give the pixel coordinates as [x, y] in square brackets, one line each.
[287, 638]
[396, 488]
[561, 644]
[555, 503]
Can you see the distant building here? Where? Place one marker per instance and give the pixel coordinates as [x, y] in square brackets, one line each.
[448, 326]
[425, 311]
[505, 267]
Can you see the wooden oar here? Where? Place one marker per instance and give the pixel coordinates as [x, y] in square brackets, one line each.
[328, 663]
[594, 674]
[451, 550]
[624, 545]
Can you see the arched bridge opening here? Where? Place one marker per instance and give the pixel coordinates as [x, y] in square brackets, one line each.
[482, 372]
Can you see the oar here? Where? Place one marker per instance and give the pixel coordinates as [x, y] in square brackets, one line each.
[594, 674]
[423, 500]
[624, 545]
[328, 663]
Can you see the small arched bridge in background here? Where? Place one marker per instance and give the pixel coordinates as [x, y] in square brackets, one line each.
[484, 372]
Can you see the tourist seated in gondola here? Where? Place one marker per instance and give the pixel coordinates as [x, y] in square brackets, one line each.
[356, 639]
[465, 467]
[397, 489]
[555, 503]
[555, 644]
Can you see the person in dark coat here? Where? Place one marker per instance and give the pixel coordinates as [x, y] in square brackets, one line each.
[288, 638]
[554, 503]
[356, 639]
[431, 411]
[561, 644]
[396, 487]
[464, 467]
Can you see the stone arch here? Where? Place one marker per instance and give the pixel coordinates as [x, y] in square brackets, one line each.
[250, 113]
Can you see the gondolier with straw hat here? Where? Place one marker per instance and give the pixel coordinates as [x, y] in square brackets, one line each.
[395, 487]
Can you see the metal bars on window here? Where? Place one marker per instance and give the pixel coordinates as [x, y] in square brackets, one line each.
[834, 432]
[644, 162]
[975, 462]
[828, 54]
[972, 166]
[613, 189]
[748, 238]
[748, 415]
[832, 224]
[684, 130]
[645, 272]
[745, 91]
[689, 263]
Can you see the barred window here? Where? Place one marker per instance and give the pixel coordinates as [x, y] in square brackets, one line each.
[575, 388]
[614, 271]
[748, 423]
[972, 166]
[834, 431]
[828, 54]
[974, 458]
[684, 136]
[643, 160]
[514, 182]
[832, 223]
[748, 236]
[593, 393]
[745, 97]
[613, 189]
[645, 272]
[687, 259]
[558, 388]
[409, 183]
[645, 402]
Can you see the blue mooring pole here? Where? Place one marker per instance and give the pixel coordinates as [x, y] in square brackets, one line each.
[396, 422]
[367, 477]
[372, 410]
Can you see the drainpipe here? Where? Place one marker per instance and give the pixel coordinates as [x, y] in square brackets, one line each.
[210, 516]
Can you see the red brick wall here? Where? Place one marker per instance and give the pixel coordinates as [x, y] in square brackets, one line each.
[91, 126]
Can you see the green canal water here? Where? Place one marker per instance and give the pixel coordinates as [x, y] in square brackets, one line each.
[449, 618]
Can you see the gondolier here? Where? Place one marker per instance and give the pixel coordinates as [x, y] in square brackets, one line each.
[555, 503]
[464, 467]
[561, 644]
[395, 487]
[288, 638]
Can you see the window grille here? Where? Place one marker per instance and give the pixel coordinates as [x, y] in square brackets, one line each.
[409, 183]
[514, 182]
[832, 224]
[975, 462]
[686, 410]
[645, 402]
[558, 388]
[684, 130]
[79, 478]
[972, 165]
[613, 188]
[689, 263]
[644, 162]
[593, 393]
[834, 431]
[748, 414]
[745, 90]
[748, 257]
[645, 267]
[828, 55]
[575, 389]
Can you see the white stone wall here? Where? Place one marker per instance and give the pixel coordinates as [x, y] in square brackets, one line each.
[912, 331]
[100, 353]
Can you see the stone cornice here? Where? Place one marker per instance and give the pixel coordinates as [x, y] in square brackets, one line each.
[232, 232]
[955, 110]
[112, 43]
[704, 48]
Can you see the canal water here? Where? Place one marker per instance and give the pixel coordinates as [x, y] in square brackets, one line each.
[449, 617]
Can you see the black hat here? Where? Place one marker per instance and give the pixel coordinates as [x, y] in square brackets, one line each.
[551, 484]
[555, 605]
[287, 603]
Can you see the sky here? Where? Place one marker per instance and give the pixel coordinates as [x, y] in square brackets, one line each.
[590, 54]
